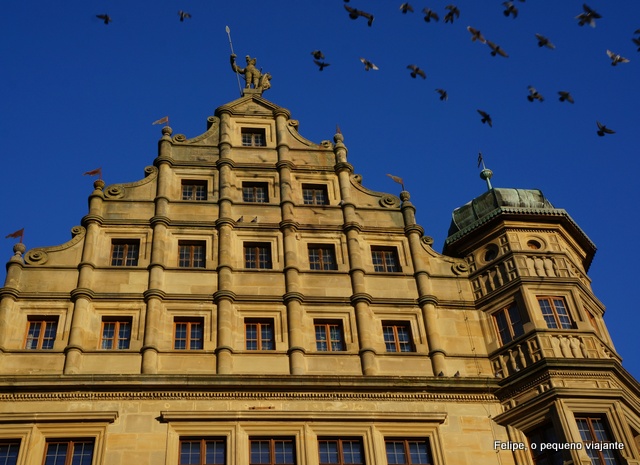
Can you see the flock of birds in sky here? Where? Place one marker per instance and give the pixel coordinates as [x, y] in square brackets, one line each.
[587, 17]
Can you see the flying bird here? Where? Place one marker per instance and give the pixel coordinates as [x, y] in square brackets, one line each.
[183, 15]
[564, 95]
[321, 64]
[443, 94]
[415, 71]
[534, 95]
[318, 55]
[544, 42]
[496, 49]
[453, 13]
[355, 14]
[637, 42]
[486, 118]
[430, 14]
[406, 7]
[105, 18]
[615, 58]
[510, 9]
[368, 65]
[588, 16]
[476, 35]
[602, 129]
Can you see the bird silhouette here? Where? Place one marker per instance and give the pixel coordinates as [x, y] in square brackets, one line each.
[406, 7]
[496, 49]
[318, 55]
[486, 118]
[443, 94]
[588, 16]
[544, 42]
[321, 64]
[476, 35]
[415, 71]
[510, 9]
[453, 13]
[637, 42]
[430, 14]
[105, 18]
[534, 95]
[368, 65]
[183, 15]
[564, 95]
[355, 14]
[615, 58]
[602, 129]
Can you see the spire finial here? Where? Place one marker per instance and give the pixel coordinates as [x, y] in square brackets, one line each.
[486, 173]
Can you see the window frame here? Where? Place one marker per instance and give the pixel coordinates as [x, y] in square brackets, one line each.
[192, 261]
[13, 446]
[260, 323]
[203, 443]
[329, 341]
[604, 431]
[259, 192]
[397, 344]
[320, 249]
[190, 323]
[70, 454]
[256, 137]
[43, 322]
[257, 248]
[199, 190]
[272, 452]
[553, 314]
[340, 442]
[116, 339]
[319, 194]
[387, 255]
[407, 451]
[546, 433]
[123, 259]
[509, 328]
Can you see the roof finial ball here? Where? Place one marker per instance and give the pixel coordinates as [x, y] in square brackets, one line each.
[486, 174]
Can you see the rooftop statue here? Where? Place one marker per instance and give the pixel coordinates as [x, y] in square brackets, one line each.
[252, 75]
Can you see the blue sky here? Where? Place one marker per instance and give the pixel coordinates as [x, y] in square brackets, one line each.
[77, 94]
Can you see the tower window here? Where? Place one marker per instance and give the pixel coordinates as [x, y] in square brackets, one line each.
[253, 137]
[509, 323]
[555, 313]
[191, 254]
[408, 452]
[397, 336]
[255, 192]
[116, 333]
[9, 452]
[257, 255]
[63, 452]
[194, 190]
[315, 194]
[385, 259]
[329, 335]
[595, 431]
[41, 333]
[272, 451]
[207, 451]
[188, 334]
[322, 257]
[124, 252]
[340, 451]
[259, 334]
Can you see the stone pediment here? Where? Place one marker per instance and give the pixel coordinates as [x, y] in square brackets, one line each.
[252, 104]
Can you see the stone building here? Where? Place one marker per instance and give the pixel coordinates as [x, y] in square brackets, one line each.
[249, 301]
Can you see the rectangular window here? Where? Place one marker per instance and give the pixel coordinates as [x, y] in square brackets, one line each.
[329, 335]
[253, 137]
[116, 334]
[272, 451]
[408, 452]
[397, 336]
[79, 452]
[544, 434]
[555, 313]
[593, 430]
[315, 194]
[194, 190]
[340, 451]
[124, 252]
[9, 452]
[206, 451]
[188, 334]
[385, 259]
[41, 333]
[322, 257]
[256, 192]
[509, 323]
[257, 255]
[259, 334]
[191, 254]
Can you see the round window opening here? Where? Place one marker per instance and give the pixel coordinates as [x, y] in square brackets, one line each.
[490, 254]
[534, 245]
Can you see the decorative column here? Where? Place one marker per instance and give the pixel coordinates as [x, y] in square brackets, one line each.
[9, 293]
[293, 298]
[360, 299]
[426, 299]
[155, 294]
[82, 295]
[224, 296]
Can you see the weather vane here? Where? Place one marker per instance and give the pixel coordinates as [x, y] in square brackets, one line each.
[486, 173]
[254, 77]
